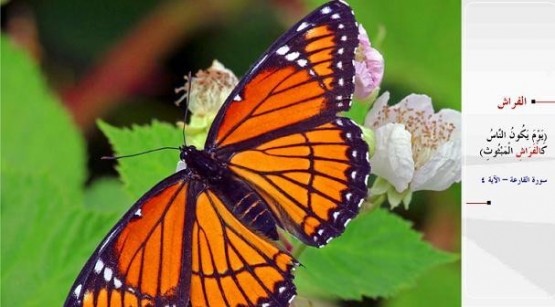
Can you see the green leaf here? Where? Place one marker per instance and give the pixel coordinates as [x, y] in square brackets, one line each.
[46, 232]
[378, 255]
[45, 242]
[442, 286]
[107, 195]
[141, 173]
[38, 135]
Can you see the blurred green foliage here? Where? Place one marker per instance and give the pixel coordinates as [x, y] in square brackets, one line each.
[378, 255]
[440, 287]
[46, 229]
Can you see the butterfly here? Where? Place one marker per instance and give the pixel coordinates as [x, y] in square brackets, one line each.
[277, 156]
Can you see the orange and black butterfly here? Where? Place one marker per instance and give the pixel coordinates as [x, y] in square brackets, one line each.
[277, 155]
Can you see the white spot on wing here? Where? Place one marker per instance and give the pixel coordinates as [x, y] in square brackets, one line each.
[302, 26]
[139, 212]
[108, 274]
[326, 10]
[346, 222]
[349, 135]
[360, 203]
[340, 65]
[282, 289]
[354, 174]
[335, 16]
[291, 299]
[302, 62]
[340, 51]
[98, 266]
[321, 231]
[341, 26]
[348, 196]
[77, 290]
[335, 215]
[117, 283]
[341, 81]
[283, 50]
[344, 38]
[237, 98]
[355, 153]
[292, 56]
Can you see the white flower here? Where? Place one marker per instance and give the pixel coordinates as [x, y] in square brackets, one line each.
[416, 149]
[209, 89]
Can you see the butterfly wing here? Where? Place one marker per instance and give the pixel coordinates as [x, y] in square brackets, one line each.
[231, 264]
[302, 80]
[279, 130]
[144, 260]
[314, 181]
[182, 244]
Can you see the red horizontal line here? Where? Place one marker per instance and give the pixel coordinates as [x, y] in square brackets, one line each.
[545, 101]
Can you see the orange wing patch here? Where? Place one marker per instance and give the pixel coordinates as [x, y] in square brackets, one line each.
[272, 100]
[150, 247]
[140, 263]
[313, 181]
[231, 265]
[306, 77]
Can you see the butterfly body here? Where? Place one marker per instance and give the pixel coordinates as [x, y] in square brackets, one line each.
[277, 156]
[203, 165]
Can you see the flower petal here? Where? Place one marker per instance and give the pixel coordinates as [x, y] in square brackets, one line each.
[442, 170]
[454, 117]
[393, 157]
[369, 67]
[372, 118]
[416, 102]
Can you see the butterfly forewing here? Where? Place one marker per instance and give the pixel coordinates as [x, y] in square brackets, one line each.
[143, 261]
[303, 80]
[280, 132]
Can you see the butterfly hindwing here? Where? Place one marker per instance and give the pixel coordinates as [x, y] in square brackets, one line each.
[304, 79]
[314, 181]
[231, 264]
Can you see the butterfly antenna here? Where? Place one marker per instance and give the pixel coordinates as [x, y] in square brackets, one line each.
[137, 154]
